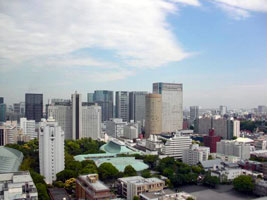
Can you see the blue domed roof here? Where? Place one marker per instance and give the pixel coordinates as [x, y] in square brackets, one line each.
[115, 147]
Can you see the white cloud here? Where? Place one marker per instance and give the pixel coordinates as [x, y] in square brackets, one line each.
[136, 31]
[233, 12]
[188, 2]
[250, 5]
[240, 9]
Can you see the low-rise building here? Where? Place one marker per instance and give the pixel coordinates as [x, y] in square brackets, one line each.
[17, 185]
[91, 188]
[58, 194]
[134, 186]
[195, 154]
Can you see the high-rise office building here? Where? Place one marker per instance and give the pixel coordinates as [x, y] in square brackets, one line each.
[223, 110]
[2, 112]
[90, 97]
[51, 149]
[115, 127]
[194, 113]
[91, 121]
[122, 105]
[172, 105]
[62, 113]
[262, 109]
[34, 107]
[104, 98]
[76, 115]
[19, 108]
[1, 100]
[137, 106]
[153, 124]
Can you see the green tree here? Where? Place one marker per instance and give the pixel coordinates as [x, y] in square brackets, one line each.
[37, 178]
[136, 198]
[107, 171]
[42, 192]
[129, 171]
[151, 160]
[65, 175]
[211, 181]
[146, 173]
[243, 184]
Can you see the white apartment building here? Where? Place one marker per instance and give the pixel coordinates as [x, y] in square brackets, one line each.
[62, 113]
[195, 154]
[230, 147]
[175, 146]
[28, 128]
[91, 121]
[17, 185]
[51, 149]
[115, 127]
[172, 105]
[130, 131]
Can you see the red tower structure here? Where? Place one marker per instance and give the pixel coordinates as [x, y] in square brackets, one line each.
[211, 140]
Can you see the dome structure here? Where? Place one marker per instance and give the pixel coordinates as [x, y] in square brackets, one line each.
[10, 159]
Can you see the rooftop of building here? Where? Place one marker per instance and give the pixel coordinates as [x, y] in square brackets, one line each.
[10, 159]
[121, 162]
[58, 194]
[115, 146]
[245, 140]
[97, 185]
[16, 177]
[155, 195]
[210, 163]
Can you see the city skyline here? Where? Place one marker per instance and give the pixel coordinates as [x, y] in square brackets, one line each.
[216, 49]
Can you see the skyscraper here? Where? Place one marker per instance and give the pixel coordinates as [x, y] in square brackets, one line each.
[172, 105]
[137, 106]
[76, 115]
[223, 110]
[51, 149]
[104, 98]
[194, 113]
[34, 107]
[62, 113]
[1, 100]
[90, 97]
[91, 121]
[153, 124]
[2, 112]
[122, 105]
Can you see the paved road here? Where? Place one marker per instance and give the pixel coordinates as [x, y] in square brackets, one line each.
[223, 192]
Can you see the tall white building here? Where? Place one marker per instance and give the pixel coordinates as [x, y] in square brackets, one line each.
[76, 100]
[172, 105]
[233, 148]
[115, 127]
[91, 121]
[51, 149]
[175, 146]
[122, 105]
[194, 113]
[62, 113]
[223, 110]
[28, 128]
[195, 154]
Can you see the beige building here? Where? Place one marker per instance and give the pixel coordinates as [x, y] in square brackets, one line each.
[134, 186]
[153, 123]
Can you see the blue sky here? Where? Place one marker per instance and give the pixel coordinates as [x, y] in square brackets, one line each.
[216, 48]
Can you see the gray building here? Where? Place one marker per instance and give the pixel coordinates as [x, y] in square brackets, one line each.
[172, 105]
[2, 112]
[137, 106]
[34, 107]
[122, 105]
[76, 100]
[194, 113]
[1, 100]
[104, 99]
[90, 97]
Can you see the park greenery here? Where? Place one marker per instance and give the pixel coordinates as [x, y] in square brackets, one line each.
[250, 125]
[243, 184]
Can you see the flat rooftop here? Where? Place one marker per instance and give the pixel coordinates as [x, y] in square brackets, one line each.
[97, 186]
